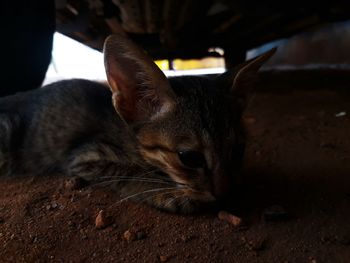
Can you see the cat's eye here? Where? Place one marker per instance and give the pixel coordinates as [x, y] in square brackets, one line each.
[192, 159]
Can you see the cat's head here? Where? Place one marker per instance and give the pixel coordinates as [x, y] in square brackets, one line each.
[188, 128]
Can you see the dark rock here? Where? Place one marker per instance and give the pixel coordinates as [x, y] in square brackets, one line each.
[140, 235]
[275, 213]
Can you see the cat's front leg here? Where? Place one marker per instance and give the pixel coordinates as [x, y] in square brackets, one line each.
[100, 162]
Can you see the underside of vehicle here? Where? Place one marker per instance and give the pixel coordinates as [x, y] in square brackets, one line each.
[190, 28]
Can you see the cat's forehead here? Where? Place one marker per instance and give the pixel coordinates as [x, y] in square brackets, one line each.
[197, 94]
[197, 86]
[203, 99]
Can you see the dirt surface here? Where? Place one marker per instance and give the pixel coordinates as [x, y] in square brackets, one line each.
[294, 200]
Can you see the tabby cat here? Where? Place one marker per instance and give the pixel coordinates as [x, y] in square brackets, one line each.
[176, 143]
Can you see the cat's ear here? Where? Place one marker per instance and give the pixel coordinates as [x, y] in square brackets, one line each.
[140, 89]
[245, 74]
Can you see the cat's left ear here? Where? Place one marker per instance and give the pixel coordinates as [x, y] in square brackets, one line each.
[246, 73]
[140, 89]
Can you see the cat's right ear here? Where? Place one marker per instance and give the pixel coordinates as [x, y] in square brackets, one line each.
[140, 89]
[246, 72]
[245, 76]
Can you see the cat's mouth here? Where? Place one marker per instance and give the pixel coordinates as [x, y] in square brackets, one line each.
[185, 199]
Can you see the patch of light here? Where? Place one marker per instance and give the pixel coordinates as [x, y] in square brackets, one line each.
[171, 73]
[71, 59]
[218, 50]
[264, 48]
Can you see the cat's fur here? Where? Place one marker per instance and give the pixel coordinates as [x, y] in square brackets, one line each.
[131, 134]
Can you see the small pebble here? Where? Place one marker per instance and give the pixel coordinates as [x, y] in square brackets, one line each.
[74, 183]
[232, 219]
[132, 235]
[163, 258]
[129, 236]
[101, 220]
[51, 206]
[275, 213]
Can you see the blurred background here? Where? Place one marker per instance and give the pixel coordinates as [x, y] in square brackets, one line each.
[52, 40]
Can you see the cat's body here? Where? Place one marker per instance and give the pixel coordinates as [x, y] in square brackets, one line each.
[174, 144]
[48, 124]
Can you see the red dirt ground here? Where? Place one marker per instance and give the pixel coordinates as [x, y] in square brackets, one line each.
[298, 157]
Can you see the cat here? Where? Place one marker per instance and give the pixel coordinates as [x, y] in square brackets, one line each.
[176, 144]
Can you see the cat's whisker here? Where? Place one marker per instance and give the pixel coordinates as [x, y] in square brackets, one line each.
[143, 178]
[132, 180]
[184, 203]
[148, 172]
[159, 194]
[154, 176]
[166, 180]
[136, 177]
[145, 192]
[172, 200]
